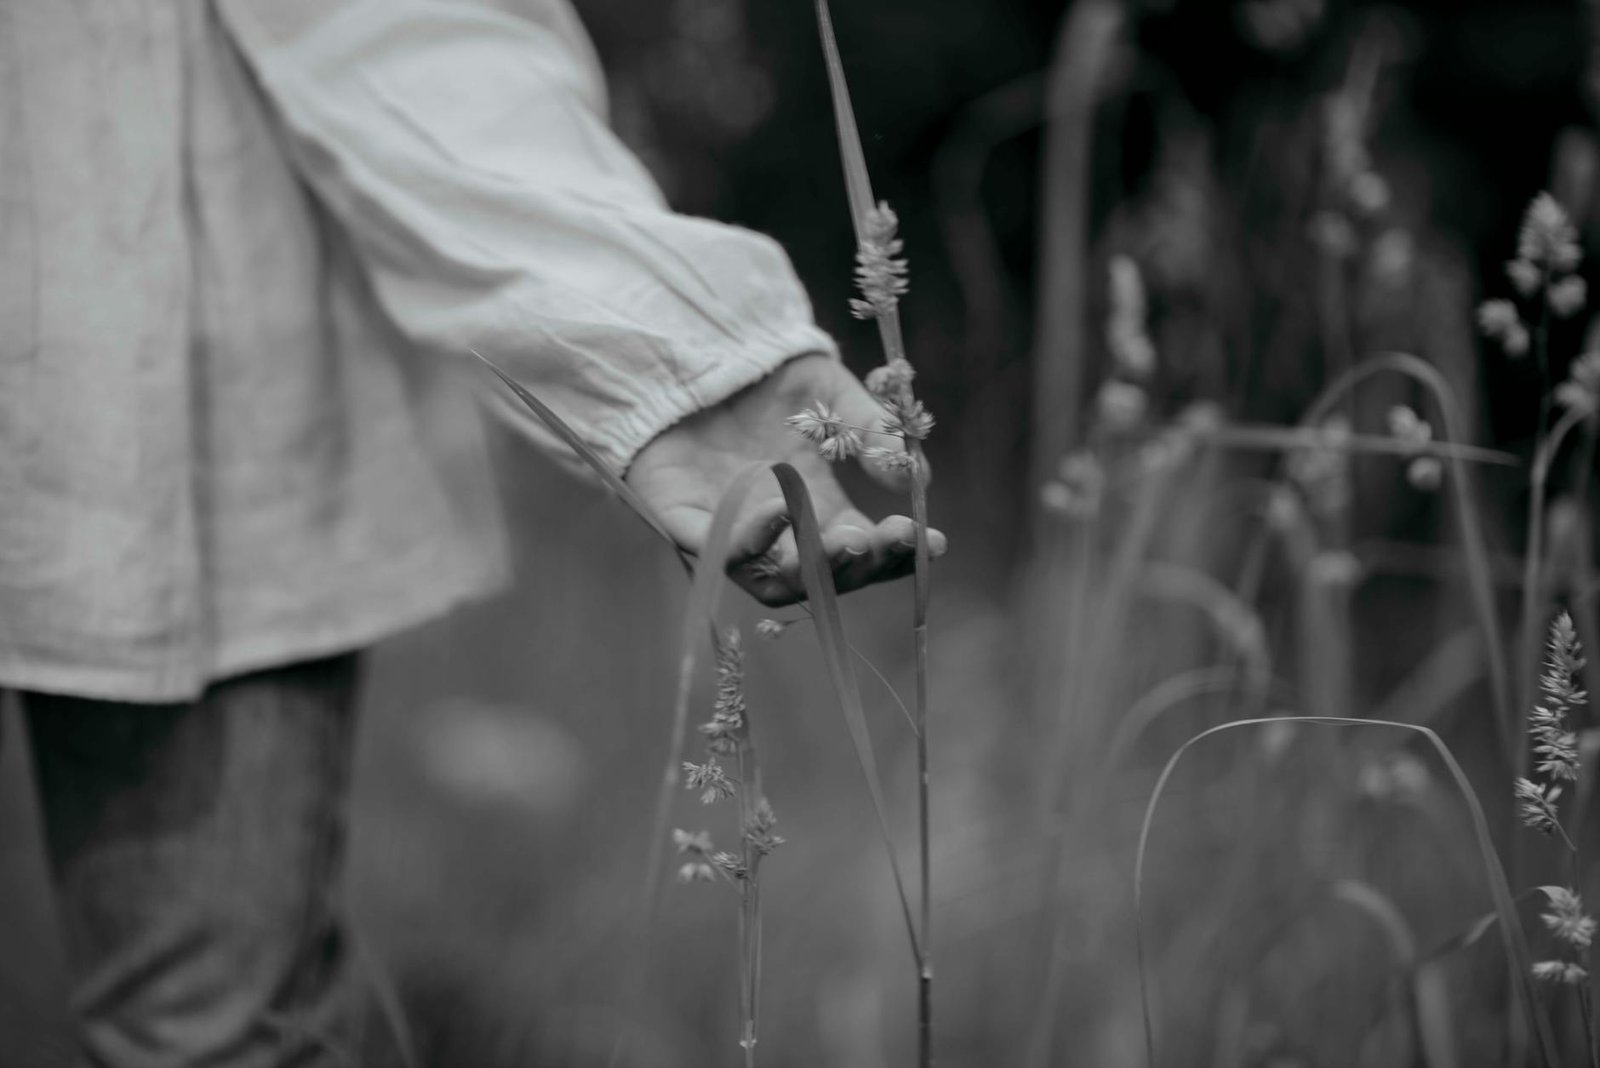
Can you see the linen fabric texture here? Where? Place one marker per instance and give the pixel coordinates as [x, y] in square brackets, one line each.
[245, 250]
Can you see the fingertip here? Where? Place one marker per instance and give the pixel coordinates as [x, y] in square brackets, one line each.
[847, 540]
[760, 527]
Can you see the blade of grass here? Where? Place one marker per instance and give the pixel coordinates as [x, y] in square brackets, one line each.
[1480, 579]
[1426, 997]
[562, 430]
[818, 579]
[858, 188]
[1516, 946]
[385, 995]
[1534, 603]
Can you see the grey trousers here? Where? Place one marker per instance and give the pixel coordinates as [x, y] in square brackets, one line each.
[196, 851]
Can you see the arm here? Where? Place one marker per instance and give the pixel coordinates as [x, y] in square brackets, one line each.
[465, 150]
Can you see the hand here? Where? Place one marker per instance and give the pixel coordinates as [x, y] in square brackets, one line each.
[684, 472]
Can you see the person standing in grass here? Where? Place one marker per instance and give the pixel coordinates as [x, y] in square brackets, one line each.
[239, 242]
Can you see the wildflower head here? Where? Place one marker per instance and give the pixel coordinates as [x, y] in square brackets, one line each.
[1581, 390]
[1554, 743]
[771, 629]
[759, 829]
[1424, 472]
[1536, 805]
[1334, 235]
[696, 871]
[880, 273]
[1398, 777]
[1525, 278]
[1560, 971]
[1369, 192]
[1076, 491]
[692, 843]
[1547, 238]
[729, 865]
[710, 779]
[1409, 427]
[1498, 320]
[841, 446]
[1322, 470]
[727, 721]
[1133, 355]
[816, 424]
[822, 425]
[1565, 917]
[909, 421]
[1567, 296]
[891, 382]
[1121, 405]
[889, 459]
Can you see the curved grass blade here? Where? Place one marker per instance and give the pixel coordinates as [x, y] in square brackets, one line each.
[1480, 579]
[1364, 897]
[562, 430]
[1518, 957]
[824, 599]
[857, 181]
[1423, 982]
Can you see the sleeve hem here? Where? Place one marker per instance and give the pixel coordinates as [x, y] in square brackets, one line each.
[620, 438]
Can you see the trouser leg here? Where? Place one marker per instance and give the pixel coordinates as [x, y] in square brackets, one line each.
[197, 853]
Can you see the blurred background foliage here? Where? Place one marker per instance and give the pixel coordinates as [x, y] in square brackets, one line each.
[512, 751]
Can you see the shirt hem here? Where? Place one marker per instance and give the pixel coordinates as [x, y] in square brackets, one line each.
[287, 642]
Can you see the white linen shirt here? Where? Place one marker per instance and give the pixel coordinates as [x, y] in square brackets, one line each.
[245, 246]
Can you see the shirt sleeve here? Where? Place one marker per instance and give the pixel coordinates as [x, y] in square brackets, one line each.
[466, 151]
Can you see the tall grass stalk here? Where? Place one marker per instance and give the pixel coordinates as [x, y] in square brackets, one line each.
[1533, 583]
[858, 188]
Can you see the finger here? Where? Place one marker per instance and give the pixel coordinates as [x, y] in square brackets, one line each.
[892, 555]
[846, 541]
[773, 576]
[755, 533]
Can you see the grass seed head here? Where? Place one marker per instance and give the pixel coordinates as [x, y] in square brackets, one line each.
[1547, 238]
[835, 440]
[1554, 742]
[1133, 354]
[880, 272]
[711, 779]
[1498, 320]
[1560, 971]
[891, 382]
[1536, 805]
[1565, 917]
[771, 629]
[1581, 390]
[1567, 297]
